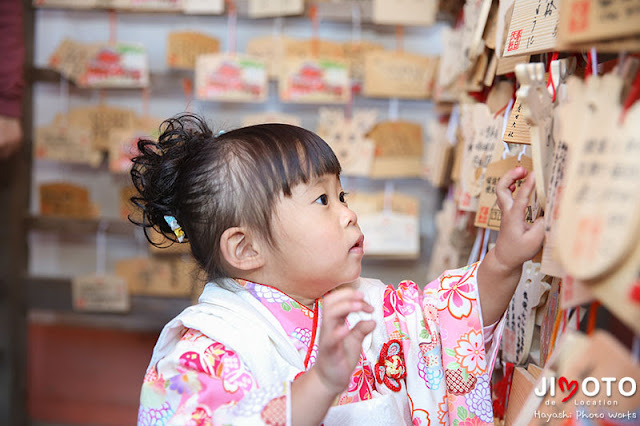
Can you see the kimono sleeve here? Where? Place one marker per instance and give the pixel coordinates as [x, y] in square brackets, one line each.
[469, 348]
[440, 329]
[203, 382]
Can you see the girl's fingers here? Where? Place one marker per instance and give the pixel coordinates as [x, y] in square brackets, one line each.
[522, 198]
[358, 333]
[536, 232]
[339, 311]
[505, 185]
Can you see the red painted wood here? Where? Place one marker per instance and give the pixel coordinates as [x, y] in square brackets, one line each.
[82, 375]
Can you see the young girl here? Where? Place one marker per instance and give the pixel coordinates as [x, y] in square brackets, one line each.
[286, 331]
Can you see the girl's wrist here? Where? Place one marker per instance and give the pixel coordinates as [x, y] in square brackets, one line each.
[500, 265]
[330, 391]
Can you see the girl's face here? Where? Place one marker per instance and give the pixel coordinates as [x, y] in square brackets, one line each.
[319, 244]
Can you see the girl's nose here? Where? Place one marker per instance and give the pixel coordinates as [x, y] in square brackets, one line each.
[349, 217]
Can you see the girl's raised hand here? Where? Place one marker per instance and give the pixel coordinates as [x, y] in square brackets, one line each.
[518, 241]
[338, 347]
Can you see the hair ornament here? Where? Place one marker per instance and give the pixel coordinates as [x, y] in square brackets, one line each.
[173, 224]
[221, 132]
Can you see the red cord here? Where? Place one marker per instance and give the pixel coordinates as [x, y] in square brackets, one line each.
[634, 95]
[554, 57]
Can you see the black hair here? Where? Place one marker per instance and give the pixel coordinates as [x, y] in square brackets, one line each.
[212, 183]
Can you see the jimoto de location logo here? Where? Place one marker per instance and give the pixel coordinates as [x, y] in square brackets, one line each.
[609, 387]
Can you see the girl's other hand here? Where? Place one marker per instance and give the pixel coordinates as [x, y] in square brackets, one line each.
[518, 240]
[338, 347]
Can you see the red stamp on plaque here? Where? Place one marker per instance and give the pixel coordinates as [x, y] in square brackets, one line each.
[483, 215]
[579, 17]
[514, 40]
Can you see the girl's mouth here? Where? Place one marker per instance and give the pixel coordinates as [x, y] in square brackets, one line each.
[358, 247]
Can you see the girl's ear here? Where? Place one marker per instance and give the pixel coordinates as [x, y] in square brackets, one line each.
[240, 250]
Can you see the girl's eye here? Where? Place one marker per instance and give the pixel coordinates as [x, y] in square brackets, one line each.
[343, 197]
[322, 199]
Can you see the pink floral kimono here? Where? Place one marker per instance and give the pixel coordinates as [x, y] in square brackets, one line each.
[231, 358]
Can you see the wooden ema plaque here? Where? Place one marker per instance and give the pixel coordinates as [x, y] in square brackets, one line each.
[481, 131]
[313, 48]
[600, 229]
[439, 156]
[564, 130]
[452, 64]
[154, 277]
[392, 231]
[533, 27]
[521, 314]
[270, 50]
[65, 200]
[398, 149]
[586, 21]
[66, 144]
[347, 139]
[231, 78]
[212, 7]
[315, 81]
[101, 121]
[184, 47]
[405, 12]
[489, 214]
[274, 51]
[70, 58]
[549, 314]
[522, 385]
[100, 293]
[117, 65]
[273, 8]
[517, 130]
[356, 52]
[398, 75]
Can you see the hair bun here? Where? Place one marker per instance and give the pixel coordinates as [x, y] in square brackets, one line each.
[157, 169]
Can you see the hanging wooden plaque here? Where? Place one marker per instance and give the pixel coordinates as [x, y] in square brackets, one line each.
[151, 277]
[66, 200]
[488, 213]
[270, 50]
[398, 75]
[101, 120]
[517, 130]
[231, 78]
[185, 46]
[355, 53]
[315, 81]
[405, 12]
[66, 144]
[115, 66]
[600, 229]
[482, 133]
[398, 151]
[273, 8]
[100, 293]
[590, 20]
[346, 137]
[213, 7]
[533, 27]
